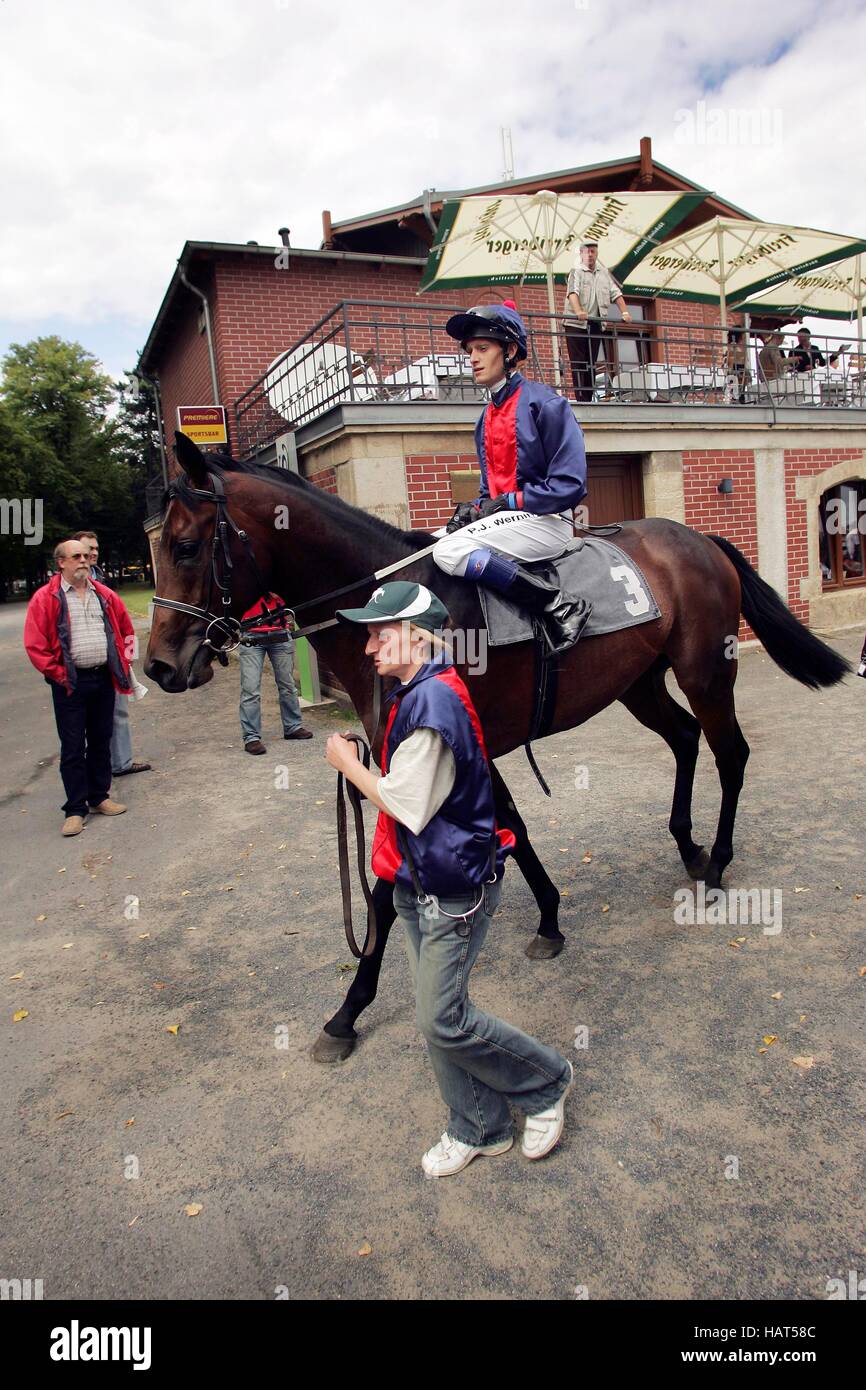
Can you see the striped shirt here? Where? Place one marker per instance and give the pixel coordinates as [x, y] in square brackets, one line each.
[87, 638]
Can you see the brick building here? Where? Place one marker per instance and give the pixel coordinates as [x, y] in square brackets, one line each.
[359, 347]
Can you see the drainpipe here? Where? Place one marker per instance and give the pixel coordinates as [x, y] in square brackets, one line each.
[428, 212]
[207, 328]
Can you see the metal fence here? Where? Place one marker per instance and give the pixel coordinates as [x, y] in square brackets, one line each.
[369, 352]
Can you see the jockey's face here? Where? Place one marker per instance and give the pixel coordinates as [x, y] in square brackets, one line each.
[395, 650]
[487, 359]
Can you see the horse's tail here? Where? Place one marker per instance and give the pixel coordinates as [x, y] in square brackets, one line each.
[788, 641]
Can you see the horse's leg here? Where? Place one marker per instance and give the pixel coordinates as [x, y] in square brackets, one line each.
[652, 704]
[548, 941]
[713, 704]
[338, 1038]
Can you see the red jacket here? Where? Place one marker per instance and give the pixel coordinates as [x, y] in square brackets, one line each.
[46, 635]
[264, 607]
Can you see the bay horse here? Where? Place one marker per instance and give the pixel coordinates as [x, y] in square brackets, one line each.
[241, 529]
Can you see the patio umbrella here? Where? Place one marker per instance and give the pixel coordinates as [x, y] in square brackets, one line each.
[534, 238]
[730, 259]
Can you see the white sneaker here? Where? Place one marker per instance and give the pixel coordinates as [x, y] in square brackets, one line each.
[544, 1130]
[451, 1155]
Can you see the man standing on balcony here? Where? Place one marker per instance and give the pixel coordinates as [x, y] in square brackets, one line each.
[590, 291]
[533, 474]
[270, 635]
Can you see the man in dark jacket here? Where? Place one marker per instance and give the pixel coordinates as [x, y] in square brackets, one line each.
[78, 634]
[533, 474]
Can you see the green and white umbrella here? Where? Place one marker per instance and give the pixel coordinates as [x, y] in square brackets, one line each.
[534, 238]
[729, 259]
[830, 292]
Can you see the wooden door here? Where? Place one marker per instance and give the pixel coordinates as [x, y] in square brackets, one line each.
[614, 488]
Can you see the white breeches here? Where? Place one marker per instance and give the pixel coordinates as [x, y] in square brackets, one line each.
[520, 535]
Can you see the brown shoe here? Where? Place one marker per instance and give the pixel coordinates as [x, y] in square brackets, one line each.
[255, 745]
[109, 808]
[300, 732]
[73, 825]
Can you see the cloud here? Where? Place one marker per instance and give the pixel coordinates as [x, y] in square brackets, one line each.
[127, 128]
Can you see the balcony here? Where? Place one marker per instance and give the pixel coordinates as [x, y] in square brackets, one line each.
[365, 355]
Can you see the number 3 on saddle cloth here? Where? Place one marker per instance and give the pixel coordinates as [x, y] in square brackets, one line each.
[591, 568]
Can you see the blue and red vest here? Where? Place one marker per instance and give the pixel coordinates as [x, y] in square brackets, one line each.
[452, 854]
[528, 443]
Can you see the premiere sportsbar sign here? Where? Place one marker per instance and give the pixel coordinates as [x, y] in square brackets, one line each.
[203, 424]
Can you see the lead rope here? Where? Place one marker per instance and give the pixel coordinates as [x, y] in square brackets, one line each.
[355, 799]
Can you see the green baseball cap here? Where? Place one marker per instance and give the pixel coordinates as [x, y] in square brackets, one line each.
[393, 603]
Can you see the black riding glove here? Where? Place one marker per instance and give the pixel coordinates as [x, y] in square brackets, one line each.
[464, 514]
[496, 504]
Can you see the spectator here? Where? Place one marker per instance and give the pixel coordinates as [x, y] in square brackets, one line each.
[78, 634]
[270, 636]
[771, 358]
[805, 357]
[588, 296]
[737, 374]
[122, 762]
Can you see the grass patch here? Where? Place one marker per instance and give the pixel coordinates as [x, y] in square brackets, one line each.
[137, 598]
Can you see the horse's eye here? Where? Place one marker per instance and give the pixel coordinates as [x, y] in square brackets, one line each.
[185, 550]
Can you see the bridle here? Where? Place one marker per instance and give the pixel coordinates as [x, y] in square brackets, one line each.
[222, 571]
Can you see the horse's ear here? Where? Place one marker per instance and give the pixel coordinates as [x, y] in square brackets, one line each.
[191, 459]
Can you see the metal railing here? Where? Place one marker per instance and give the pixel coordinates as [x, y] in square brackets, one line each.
[375, 352]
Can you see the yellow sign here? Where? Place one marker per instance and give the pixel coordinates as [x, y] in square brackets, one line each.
[203, 424]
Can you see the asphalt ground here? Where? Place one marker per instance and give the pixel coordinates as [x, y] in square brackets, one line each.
[699, 1160]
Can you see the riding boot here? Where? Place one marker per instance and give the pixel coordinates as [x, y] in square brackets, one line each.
[563, 618]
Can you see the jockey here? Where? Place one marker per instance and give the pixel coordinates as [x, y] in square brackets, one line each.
[533, 473]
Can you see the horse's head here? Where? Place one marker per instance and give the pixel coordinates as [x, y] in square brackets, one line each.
[204, 570]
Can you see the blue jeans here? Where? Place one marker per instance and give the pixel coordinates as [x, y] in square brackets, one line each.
[121, 736]
[482, 1064]
[252, 660]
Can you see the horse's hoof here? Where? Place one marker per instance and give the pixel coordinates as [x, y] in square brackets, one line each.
[329, 1050]
[698, 867]
[545, 947]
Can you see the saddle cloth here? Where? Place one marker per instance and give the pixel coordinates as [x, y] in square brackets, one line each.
[591, 568]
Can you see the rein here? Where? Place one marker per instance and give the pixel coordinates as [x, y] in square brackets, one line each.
[222, 568]
[355, 799]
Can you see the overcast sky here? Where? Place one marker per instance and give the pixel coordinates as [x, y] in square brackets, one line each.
[128, 128]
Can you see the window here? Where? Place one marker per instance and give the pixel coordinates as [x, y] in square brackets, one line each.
[632, 343]
[842, 535]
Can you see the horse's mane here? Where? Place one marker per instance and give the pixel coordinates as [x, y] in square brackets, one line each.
[219, 464]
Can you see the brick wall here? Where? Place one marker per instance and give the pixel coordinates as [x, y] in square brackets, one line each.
[185, 377]
[806, 463]
[428, 483]
[708, 510]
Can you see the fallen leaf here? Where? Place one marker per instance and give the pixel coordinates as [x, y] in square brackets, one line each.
[42, 917]
[193, 1208]
[735, 944]
[68, 947]
[22, 1013]
[63, 1114]
[606, 907]
[801, 890]
[814, 935]
[770, 1039]
[159, 985]
[365, 1249]
[133, 1221]
[742, 938]
[19, 976]
[143, 935]
[173, 1028]
[803, 1017]
[776, 996]
[805, 1062]
[861, 972]
[130, 1122]
[185, 893]
[762, 1049]
[587, 859]
[61, 871]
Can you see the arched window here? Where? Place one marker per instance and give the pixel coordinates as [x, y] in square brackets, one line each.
[842, 530]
